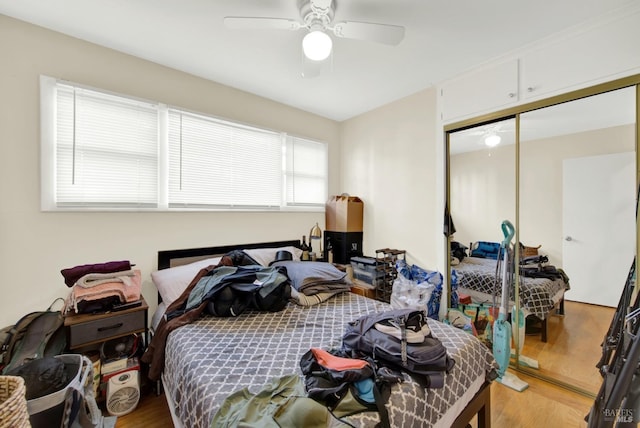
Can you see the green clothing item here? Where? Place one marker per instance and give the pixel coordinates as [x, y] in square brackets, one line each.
[281, 403]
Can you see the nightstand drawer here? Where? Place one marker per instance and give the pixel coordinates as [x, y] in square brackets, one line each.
[105, 328]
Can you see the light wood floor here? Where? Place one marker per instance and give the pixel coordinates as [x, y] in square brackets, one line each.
[540, 405]
[573, 345]
[574, 338]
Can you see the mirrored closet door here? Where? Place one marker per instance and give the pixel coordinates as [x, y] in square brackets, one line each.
[565, 174]
[482, 187]
[482, 194]
[577, 191]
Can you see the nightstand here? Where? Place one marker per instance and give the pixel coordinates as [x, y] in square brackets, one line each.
[84, 330]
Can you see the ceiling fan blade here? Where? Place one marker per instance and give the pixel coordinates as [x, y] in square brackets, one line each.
[256, 23]
[381, 33]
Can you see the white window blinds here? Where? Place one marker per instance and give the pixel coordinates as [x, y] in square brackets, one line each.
[106, 151]
[213, 163]
[306, 172]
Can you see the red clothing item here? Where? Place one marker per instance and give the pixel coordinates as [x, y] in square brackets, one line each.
[332, 362]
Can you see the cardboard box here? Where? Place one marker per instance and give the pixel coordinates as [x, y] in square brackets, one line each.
[114, 366]
[344, 213]
[363, 289]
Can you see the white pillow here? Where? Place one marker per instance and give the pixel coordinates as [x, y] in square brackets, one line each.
[264, 256]
[172, 282]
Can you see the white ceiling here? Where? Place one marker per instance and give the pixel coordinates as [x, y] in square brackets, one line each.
[444, 38]
[615, 108]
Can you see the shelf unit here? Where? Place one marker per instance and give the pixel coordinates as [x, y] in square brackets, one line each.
[386, 263]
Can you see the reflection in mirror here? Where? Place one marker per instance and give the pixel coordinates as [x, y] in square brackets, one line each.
[577, 208]
[482, 194]
[482, 180]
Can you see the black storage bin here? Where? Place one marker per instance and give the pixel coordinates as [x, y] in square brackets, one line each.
[345, 245]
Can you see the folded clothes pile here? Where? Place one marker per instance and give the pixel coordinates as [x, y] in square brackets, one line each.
[102, 286]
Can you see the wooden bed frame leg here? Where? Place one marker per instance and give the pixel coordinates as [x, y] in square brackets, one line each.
[561, 308]
[559, 311]
[479, 406]
[484, 414]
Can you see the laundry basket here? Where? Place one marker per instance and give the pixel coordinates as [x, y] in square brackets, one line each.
[56, 408]
[13, 403]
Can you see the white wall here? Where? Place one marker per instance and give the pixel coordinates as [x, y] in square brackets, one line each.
[480, 186]
[35, 246]
[541, 181]
[482, 193]
[389, 159]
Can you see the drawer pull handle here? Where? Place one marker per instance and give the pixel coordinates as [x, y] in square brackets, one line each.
[111, 327]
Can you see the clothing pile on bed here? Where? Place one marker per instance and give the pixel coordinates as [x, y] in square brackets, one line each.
[102, 286]
[314, 282]
[333, 386]
[539, 267]
[240, 280]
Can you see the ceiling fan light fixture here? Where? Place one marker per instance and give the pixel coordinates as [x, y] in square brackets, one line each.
[492, 140]
[317, 45]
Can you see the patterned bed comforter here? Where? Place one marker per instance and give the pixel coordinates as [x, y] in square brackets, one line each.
[213, 357]
[537, 295]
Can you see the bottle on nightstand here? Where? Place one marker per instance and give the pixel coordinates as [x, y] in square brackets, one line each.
[305, 249]
[329, 251]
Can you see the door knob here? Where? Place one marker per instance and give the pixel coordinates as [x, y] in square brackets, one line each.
[568, 238]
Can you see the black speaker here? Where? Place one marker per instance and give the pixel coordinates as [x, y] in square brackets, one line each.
[345, 245]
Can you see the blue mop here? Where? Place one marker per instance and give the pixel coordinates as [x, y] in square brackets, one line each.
[519, 330]
[501, 326]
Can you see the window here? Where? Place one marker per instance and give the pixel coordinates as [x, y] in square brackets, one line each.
[306, 172]
[106, 151]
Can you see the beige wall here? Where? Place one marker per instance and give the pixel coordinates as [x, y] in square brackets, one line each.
[541, 181]
[389, 160]
[483, 193]
[34, 246]
[480, 197]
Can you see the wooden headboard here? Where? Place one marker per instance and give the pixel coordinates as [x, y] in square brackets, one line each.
[171, 258]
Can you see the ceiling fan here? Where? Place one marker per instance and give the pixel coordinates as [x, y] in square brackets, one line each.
[316, 17]
[490, 134]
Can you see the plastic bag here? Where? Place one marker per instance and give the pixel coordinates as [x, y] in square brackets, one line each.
[417, 288]
[409, 294]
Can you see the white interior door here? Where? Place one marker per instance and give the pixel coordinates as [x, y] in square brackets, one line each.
[598, 226]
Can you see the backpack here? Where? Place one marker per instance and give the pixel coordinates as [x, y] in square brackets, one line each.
[401, 339]
[35, 335]
[245, 290]
[347, 385]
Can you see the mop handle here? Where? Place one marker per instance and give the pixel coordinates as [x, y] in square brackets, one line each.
[509, 232]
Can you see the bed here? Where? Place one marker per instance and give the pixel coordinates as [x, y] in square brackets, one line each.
[211, 358]
[540, 297]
